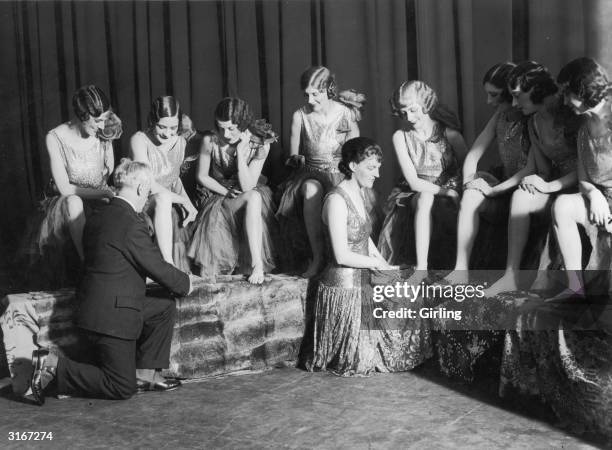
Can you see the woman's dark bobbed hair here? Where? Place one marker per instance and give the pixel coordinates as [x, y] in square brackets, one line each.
[498, 76]
[356, 150]
[235, 110]
[529, 75]
[89, 101]
[587, 79]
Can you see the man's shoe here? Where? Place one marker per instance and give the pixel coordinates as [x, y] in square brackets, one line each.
[169, 384]
[42, 375]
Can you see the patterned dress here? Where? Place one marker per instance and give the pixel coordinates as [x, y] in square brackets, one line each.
[50, 254]
[434, 160]
[321, 145]
[346, 338]
[219, 244]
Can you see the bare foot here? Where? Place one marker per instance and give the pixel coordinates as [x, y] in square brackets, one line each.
[507, 283]
[457, 277]
[568, 293]
[257, 276]
[313, 268]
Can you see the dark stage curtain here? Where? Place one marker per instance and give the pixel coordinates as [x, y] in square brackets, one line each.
[201, 51]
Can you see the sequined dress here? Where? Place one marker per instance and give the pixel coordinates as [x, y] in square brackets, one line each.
[47, 247]
[219, 244]
[434, 160]
[321, 145]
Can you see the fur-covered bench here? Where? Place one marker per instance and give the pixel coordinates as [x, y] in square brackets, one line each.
[223, 327]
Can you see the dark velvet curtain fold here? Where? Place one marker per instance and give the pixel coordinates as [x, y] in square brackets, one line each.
[200, 51]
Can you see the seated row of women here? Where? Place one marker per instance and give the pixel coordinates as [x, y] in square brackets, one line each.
[235, 220]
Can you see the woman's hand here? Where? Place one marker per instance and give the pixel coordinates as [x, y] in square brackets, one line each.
[480, 185]
[191, 213]
[534, 184]
[233, 193]
[296, 161]
[244, 145]
[599, 211]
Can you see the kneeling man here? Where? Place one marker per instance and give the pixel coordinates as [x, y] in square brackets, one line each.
[130, 333]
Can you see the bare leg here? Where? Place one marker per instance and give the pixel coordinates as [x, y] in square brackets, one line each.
[422, 227]
[523, 204]
[468, 223]
[254, 231]
[312, 192]
[162, 220]
[76, 222]
[569, 211]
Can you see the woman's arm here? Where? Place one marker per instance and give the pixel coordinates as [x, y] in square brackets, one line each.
[335, 216]
[516, 179]
[249, 172]
[408, 169]
[480, 146]
[203, 176]
[455, 139]
[60, 176]
[296, 130]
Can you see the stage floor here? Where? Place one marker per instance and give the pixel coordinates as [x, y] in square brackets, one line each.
[290, 408]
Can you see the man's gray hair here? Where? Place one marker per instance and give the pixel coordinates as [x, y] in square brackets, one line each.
[132, 173]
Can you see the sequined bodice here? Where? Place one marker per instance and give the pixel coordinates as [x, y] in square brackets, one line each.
[561, 153]
[434, 159]
[322, 138]
[166, 164]
[358, 231]
[224, 165]
[86, 167]
[512, 142]
[595, 154]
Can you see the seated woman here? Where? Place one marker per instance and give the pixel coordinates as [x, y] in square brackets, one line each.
[318, 130]
[587, 90]
[81, 158]
[552, 156]
[161, 147]
[341, 342]
[236, 226]
[483, 195]
[429, 154]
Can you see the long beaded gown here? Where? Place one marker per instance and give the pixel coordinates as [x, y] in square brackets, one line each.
[346, 338]
[321, 144]
[51, 258]
[219, 244]
[434, 160]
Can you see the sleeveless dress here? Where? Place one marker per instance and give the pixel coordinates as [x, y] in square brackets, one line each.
[321, 145]
[434, 160]
[345, 337]
[219, 244]
[47, 247]
[166, 168]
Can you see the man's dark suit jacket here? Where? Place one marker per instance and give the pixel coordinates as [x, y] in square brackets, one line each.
[119, 255]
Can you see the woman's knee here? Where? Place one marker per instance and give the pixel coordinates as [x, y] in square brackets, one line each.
[311, 188]
[162, 200]
[254, 199]
[472, 200]
[424, 200]
[74, 205]
[566, 207]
